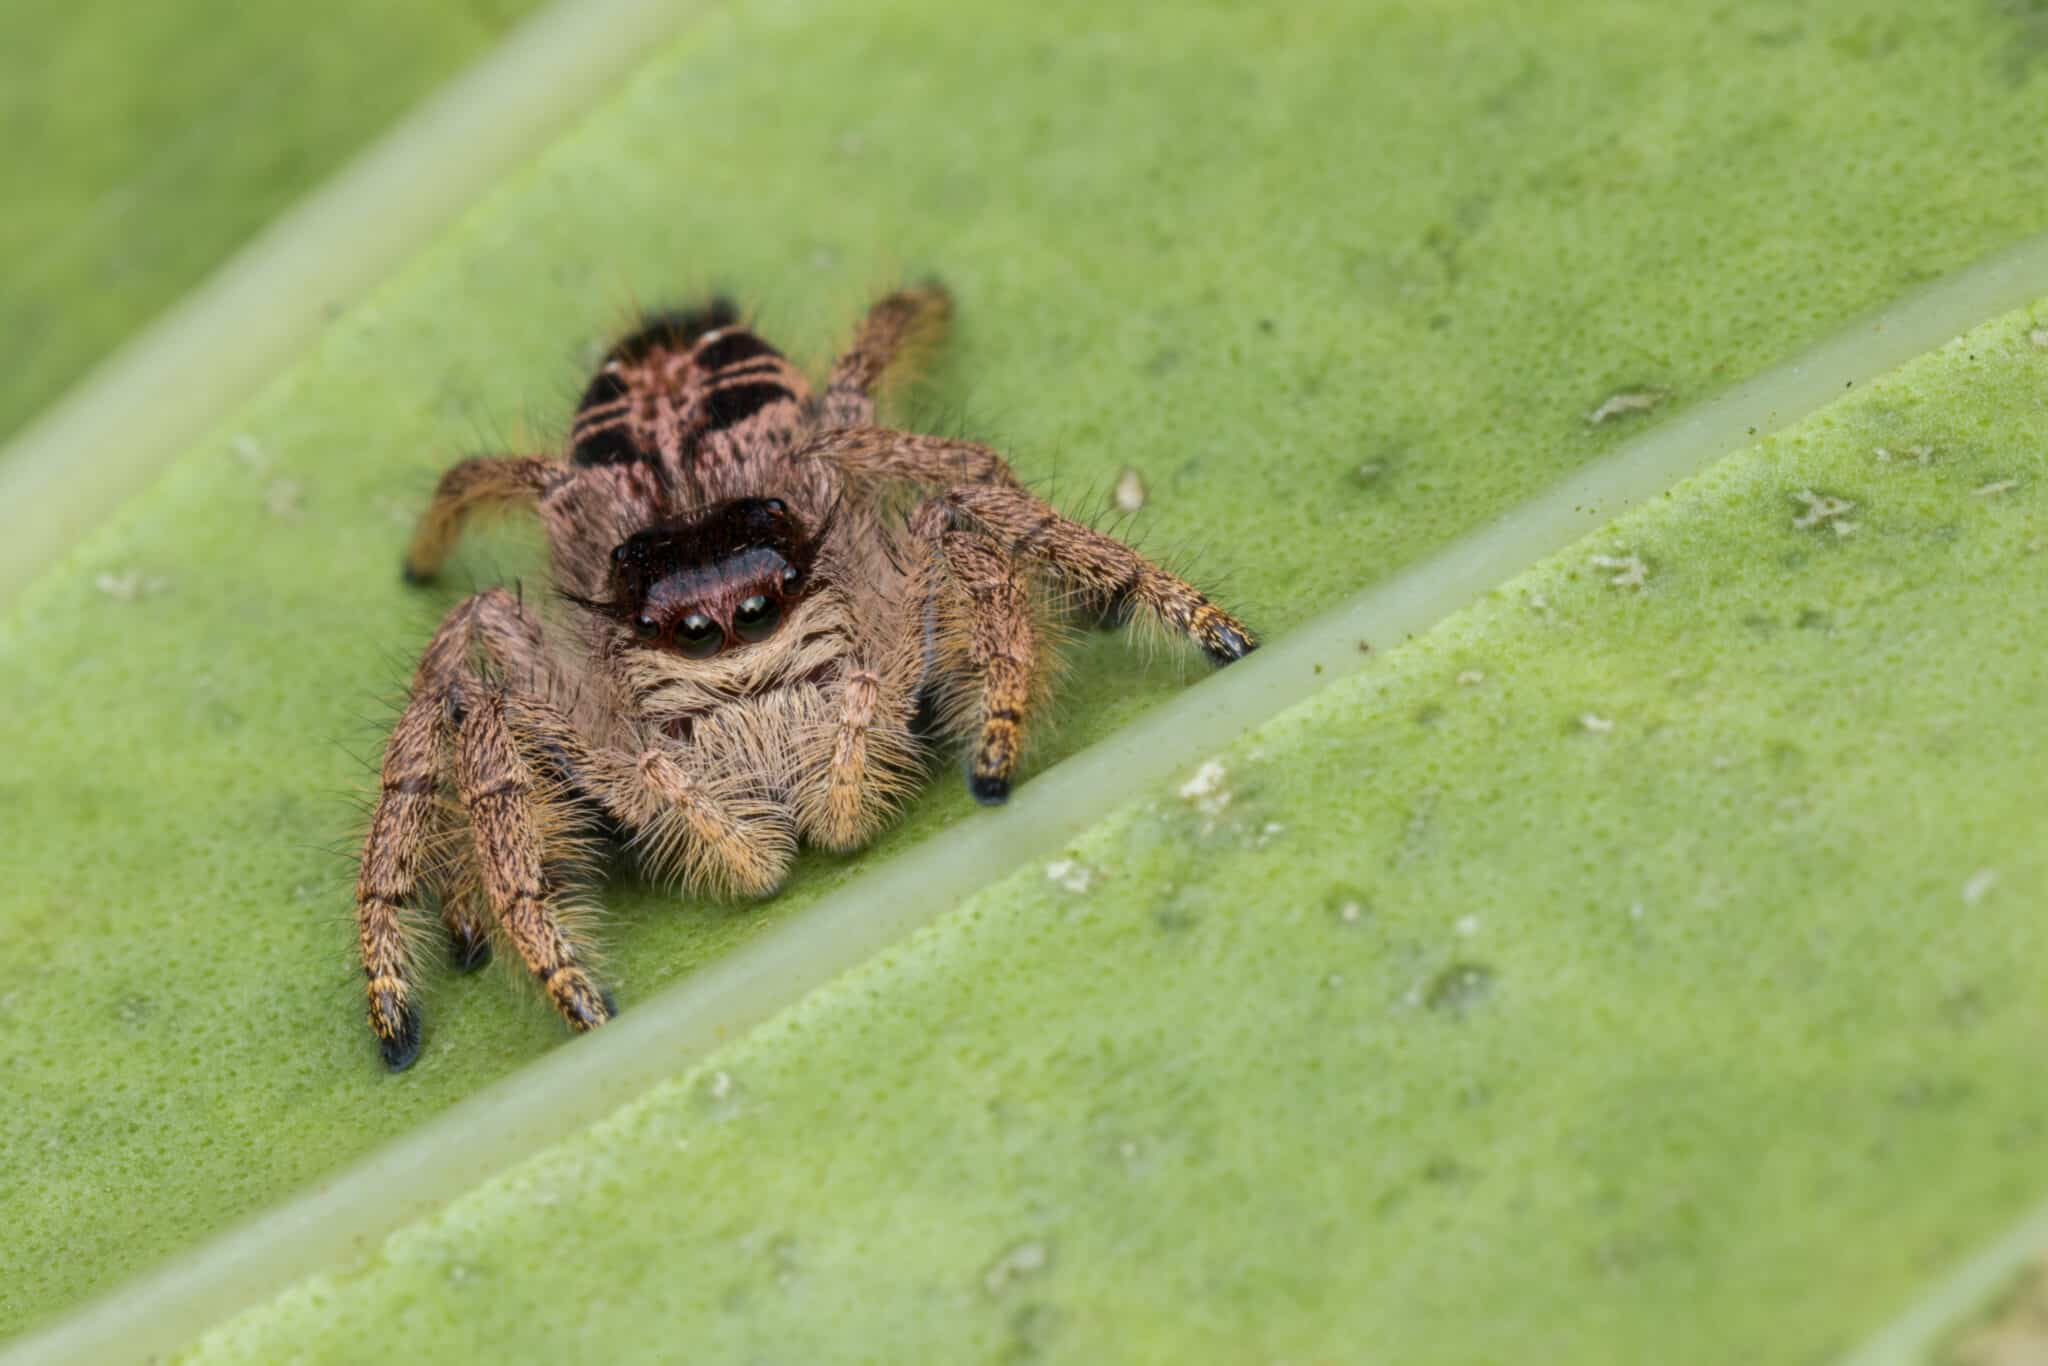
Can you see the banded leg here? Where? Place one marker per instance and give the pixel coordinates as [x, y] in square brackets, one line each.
[1114, 578]
[509, 637]
[879, 455]
[485, 482]
[845, 816]
[405, 850]
[510, 826]
[1002, 647]
[388, 881]
[896, 334]
[397, 852]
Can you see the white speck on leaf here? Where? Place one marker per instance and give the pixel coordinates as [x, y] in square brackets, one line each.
[1598, 725]
[1979, 885]
[1206, 790]
[1468, 925]
[721, 1085]
[2039, 337]
[1622, 404]
[1471, 678]
[1993, 489]
[1070, 875]
[1130, 489]
[130, 585]
[1349, 912]
[1629, 570]
[1823, 510]
[1023, 1260]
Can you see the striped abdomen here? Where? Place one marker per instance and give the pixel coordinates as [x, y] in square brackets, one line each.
[691, 396]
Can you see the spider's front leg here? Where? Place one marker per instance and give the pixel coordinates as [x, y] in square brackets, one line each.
[510, 819]
[714, 838]
[507, 817]
[981, 490]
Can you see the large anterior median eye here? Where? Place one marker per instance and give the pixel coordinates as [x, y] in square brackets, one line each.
[755, 618]
[698, 636]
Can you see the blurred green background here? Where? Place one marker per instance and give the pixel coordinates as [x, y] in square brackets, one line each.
[145, 143]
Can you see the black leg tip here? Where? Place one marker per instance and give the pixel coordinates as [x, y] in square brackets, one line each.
[611, 1004]
[471, 949]
[400, 1050]
[989, 791]
[416, 577]
[1227, 645]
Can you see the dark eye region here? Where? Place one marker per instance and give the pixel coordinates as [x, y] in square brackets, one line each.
[701, 584]
[698, 632]
[698, 636]
[756, 618]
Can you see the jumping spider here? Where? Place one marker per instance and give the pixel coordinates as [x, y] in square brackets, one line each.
[771, 606]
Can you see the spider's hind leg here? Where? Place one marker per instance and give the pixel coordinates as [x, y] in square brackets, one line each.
[479, 484]
[899, 331]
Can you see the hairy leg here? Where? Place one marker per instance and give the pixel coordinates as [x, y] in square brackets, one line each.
[388, 882]
[397, 852]
[1112, 578]
[875, 455]
[1002, 650]
[486, 482]
[898, 331]
[871, 756]
[406, 848]
[716, 841]
[510, 819]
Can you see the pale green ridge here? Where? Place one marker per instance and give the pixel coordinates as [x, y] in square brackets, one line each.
[1940, 1319]
[1338, 309]
[145, 143]
[1623, 971]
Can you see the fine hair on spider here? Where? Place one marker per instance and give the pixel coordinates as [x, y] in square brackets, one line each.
[765, 614]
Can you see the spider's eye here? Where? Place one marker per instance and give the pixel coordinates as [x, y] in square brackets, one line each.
[646, 627]
[698, 636]
[791, 577]
[755, 618]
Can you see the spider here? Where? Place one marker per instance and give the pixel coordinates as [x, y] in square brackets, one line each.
[771, 608]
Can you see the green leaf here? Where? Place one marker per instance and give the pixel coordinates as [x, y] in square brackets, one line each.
[1342, 284]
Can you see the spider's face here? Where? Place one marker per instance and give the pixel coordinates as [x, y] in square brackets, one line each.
[712, 581]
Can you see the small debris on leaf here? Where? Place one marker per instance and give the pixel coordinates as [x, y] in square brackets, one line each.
[1629, 570]
[1130, 489]
[1823, 510]
[1625, 403]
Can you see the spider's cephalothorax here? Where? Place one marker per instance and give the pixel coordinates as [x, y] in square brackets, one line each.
[771, 607]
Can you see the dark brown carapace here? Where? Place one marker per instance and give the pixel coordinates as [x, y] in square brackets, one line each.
[770, 611]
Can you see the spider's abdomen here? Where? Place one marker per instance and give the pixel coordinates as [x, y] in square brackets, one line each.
[695, 397]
